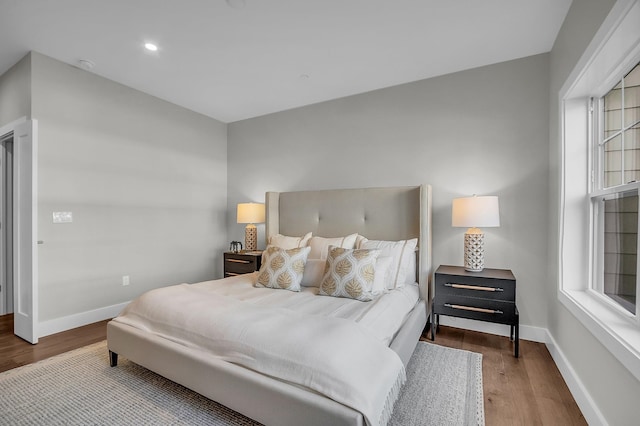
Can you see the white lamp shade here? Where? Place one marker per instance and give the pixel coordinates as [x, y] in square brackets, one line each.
[250, 213]
[475, 212]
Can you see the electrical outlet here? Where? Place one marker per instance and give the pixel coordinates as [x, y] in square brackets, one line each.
[62, 217]
[125, 280]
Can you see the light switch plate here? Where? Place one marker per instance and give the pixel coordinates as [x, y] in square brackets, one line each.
[62, 217]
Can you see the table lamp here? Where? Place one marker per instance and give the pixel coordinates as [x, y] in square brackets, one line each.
[473, 213]
[250, 213]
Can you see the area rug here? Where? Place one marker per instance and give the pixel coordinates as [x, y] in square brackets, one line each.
[444, 387]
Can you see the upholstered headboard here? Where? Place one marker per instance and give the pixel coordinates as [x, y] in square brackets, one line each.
[395, 213]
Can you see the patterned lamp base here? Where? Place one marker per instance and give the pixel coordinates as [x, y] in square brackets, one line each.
[251, 237]
[473, 251]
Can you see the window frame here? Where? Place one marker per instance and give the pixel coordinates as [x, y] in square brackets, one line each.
[614, 51]
[599, 193]
[597, 280]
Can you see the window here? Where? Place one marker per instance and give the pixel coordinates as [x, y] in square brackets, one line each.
[598, 269]
[621, 128]
[616, 138]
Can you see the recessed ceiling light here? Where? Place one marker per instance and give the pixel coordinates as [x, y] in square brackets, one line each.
[236, 4]
[151, 47]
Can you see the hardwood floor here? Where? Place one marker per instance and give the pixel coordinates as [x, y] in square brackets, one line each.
[15, 352]
[528, 390]
[524, 391]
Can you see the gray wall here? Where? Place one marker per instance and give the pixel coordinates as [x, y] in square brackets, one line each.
[146, 181]
[614, 391]
[15, 92]
[482, 131]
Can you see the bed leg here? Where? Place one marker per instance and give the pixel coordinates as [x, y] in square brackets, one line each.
[113, 359]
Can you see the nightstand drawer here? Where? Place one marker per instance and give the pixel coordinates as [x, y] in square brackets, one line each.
[485, 288]
[475, 308]
[239, 263]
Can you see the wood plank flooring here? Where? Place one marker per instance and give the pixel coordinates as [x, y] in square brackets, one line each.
[15, 352]
[524, 391]
[528, 390]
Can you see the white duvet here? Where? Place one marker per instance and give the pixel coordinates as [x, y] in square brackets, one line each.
[382, 317]
[337, 347]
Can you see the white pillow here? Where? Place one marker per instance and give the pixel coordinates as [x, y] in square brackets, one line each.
[282, 268]
[383, 263]
[313, 272]
[287, 243]
[403, 257]
[349, 273]
[411, 277]
[320, 245]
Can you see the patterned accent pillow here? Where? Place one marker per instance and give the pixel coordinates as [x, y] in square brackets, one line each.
[282, 268]
[349, 273]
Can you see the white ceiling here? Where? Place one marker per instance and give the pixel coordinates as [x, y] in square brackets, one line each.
[272, 55]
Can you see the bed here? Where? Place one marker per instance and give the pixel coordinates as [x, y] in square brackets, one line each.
[396, 213]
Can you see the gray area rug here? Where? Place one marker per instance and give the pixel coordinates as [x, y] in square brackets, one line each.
[444, 387]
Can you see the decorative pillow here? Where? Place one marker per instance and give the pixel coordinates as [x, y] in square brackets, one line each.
[349, 273]
[313, 272]
[320, 245]
[287, 243]
[402, 268]
[282, 268]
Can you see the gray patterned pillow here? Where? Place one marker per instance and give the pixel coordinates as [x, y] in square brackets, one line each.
[282, 268]
[349, 273]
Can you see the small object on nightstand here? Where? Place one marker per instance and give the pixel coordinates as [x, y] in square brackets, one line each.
[244, 262]
[489, 296]
[235, 247]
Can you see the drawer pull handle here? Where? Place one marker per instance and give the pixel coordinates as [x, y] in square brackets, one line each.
[238, 261]
[473, 287]
[471, 308]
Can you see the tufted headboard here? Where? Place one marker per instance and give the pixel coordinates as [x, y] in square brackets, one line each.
[394, 213]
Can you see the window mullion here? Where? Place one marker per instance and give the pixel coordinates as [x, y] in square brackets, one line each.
[637, 267]
[622, 146]
[597, 281]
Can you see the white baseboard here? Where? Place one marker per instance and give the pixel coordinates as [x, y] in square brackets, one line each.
[58, 325]
[527, 332]
[589, 409]
[582, 397]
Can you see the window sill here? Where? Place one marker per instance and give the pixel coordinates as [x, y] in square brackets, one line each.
[619, 335]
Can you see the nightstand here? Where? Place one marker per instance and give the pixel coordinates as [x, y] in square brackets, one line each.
[489, 295]
[241, 263]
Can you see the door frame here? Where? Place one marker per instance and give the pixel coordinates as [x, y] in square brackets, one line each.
[25, 221]
[6, 256]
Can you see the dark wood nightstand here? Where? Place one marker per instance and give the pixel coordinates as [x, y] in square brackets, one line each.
[489, 296]
[241, 263]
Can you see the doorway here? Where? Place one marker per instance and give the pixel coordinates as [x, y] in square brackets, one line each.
[6, 224]
[19, 257]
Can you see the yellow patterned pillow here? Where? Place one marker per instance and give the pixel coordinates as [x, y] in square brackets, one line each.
[282, 268]
[349, 273]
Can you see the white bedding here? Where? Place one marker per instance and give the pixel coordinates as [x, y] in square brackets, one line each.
[256, 328]
[383, 317]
